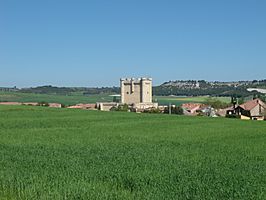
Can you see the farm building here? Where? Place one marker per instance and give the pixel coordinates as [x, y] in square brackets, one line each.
[254, 109]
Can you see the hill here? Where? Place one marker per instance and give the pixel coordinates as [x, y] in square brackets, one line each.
[73, 154]
[215, 88]
[168, 90]
[70, 90]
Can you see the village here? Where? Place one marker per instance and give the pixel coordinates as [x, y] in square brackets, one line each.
[136, 96]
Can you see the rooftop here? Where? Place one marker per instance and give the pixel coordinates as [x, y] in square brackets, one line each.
[249, 105]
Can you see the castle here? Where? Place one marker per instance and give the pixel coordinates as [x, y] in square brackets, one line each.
[137, 92]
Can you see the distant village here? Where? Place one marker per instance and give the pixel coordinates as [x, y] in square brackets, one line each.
[136, 96]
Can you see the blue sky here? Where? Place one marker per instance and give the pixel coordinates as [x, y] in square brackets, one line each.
[95, 42]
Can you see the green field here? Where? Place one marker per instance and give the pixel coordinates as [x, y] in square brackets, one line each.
[175, 100]
[76, 98]
[51, 153]
[53, 98]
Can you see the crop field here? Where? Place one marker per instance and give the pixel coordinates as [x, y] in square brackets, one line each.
[48, 153]
[53, 98]
[175, 100]
[80, 98]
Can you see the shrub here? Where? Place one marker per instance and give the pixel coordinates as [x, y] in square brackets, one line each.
[123, 108]
[43, 103]
[232, 116]
[216, 103]
[178, 110]
[152, 110]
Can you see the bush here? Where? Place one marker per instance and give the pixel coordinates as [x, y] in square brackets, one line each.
[216, 103]
[152, 110]
[123, 108]
[174, 110]
[43, 103]
[178, 110]
[232, 116]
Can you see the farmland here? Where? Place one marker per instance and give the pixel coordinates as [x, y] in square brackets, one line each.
[76, 98]
[51, 153]
[176, 100]
[64, 99]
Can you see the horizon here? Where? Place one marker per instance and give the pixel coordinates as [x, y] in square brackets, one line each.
[94, 43]
[110, 86]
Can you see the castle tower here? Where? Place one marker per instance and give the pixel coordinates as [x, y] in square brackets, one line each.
[135, 91]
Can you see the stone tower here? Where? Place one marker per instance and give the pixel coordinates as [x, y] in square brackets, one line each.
[134, 91]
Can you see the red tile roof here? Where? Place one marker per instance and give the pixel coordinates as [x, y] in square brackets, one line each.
[191, 106]
[249, 105]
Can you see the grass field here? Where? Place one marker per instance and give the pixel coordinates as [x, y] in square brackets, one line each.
[53, 98]
[79, 98]
[165, 100]
[51, 153]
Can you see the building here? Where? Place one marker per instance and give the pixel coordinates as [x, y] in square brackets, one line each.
[198, 109]
[191, 108]
[83, 106]
[106, 106]
[137, 92]
[226, 111]
[55, 105]
[254, 109]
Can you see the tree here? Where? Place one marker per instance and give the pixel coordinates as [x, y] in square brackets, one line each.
[174, 110]
[178, 110]
[241, 100]
[215, 103]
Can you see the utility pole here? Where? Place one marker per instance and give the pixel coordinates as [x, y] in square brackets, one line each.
[170, 109]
